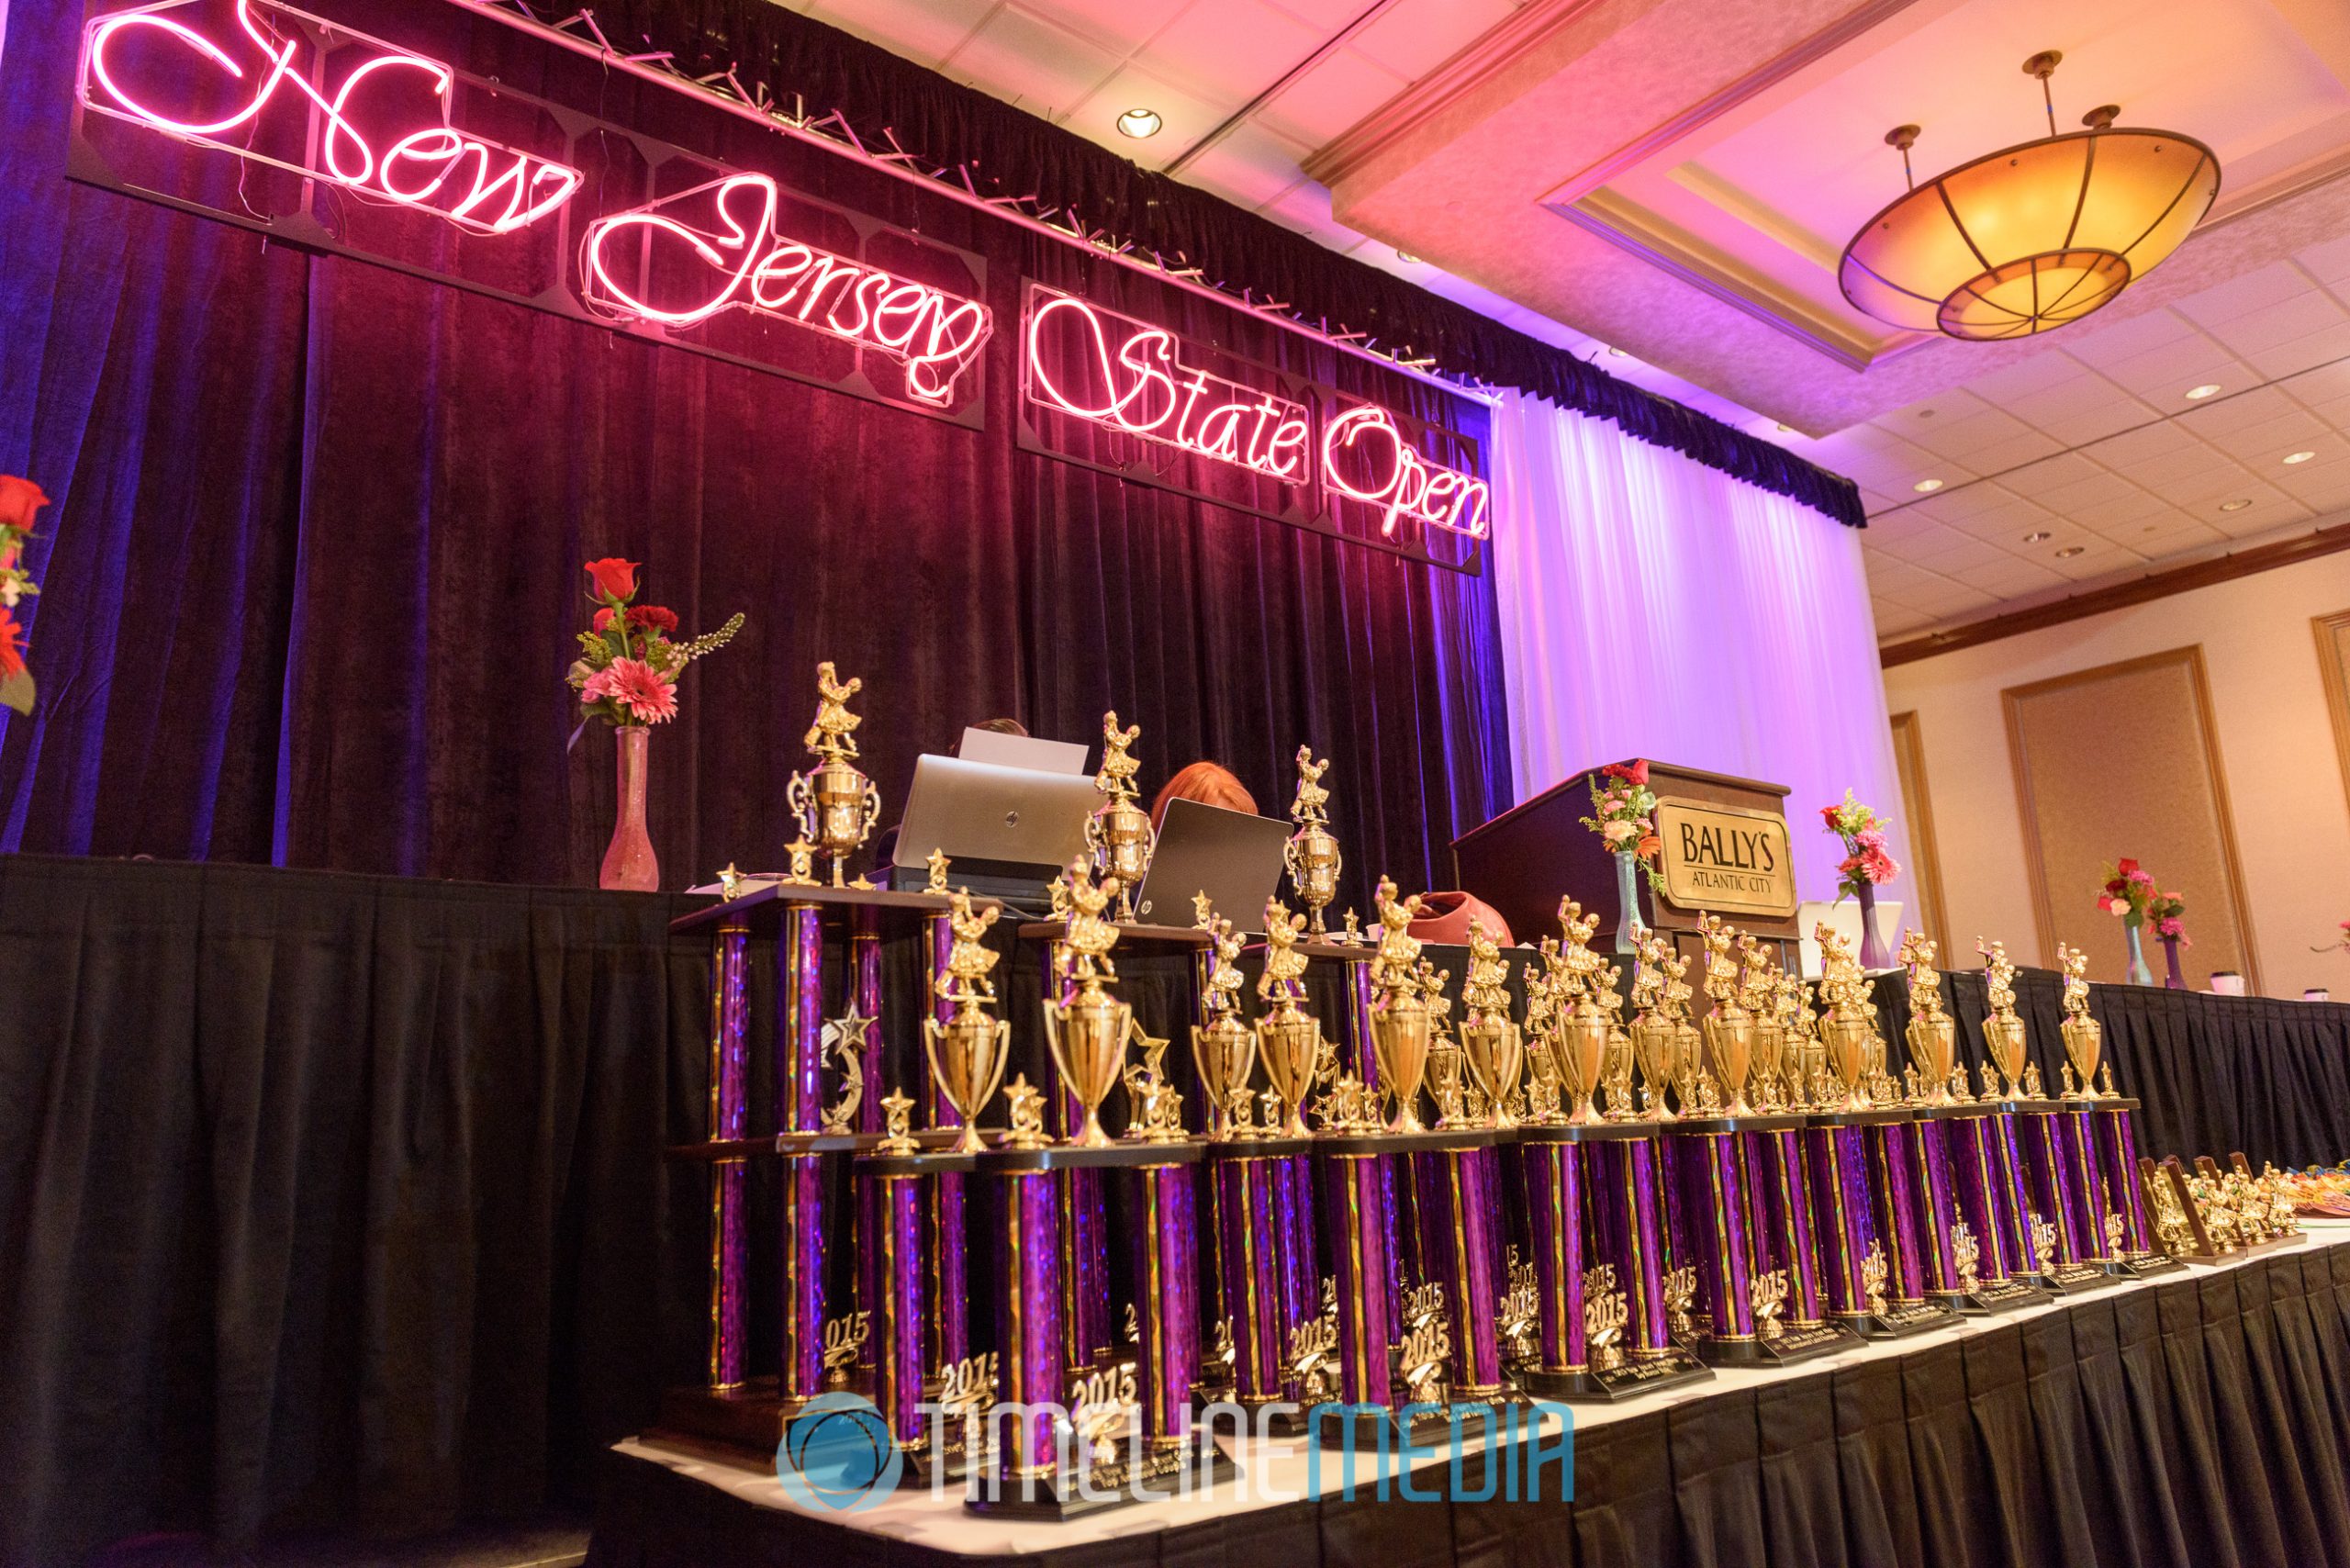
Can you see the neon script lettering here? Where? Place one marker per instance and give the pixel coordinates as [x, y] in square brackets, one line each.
[743, 264]
[1364, 456]
[366, 138]
[1142, 386]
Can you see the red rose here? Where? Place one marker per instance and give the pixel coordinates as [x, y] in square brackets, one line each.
[2127, 866]
[643, 615]
[604, 619]
[1828, 816]
[20, 499]
[11, 661]
[614, 577]
[1639, 772]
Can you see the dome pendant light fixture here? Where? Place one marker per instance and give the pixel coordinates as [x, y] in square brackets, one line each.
[2034, 236]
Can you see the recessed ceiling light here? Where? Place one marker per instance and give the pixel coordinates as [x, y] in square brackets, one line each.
[1140, 123]
[1927, 486]
[2292, 457]
[2069, 551]
[2197, 394]
[2035, 536]
[2237, 505]
[1617, 353]
[1407, 256]
[1925, 413]
[1786, 429]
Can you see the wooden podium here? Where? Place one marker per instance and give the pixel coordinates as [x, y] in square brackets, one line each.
[1726, 852]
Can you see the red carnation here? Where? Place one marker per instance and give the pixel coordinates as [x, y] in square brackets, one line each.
[1639, 772]
[1827, 814]
[20, 499]
[2127, 866]
[614, 577]
[604, 620]
[11, 661]
[643, 615]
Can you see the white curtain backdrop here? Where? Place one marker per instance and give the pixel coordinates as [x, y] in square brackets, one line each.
[1653, 607]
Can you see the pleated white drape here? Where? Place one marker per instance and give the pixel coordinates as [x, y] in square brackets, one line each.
[1653, 607]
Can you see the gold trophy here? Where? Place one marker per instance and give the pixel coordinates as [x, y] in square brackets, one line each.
[1223, 1049]
[2003, 1033]
[1728, 1028]
[1289, 1040]
[1932, 1033]
[1757, 992]
[1845, 1032]
[1087, 1036]
[1542, 1078]
[1400, 1022]
[1119, 831]
[1654, 1037]
[1579, 1037]
[1312, 853]
[2083, 1036]
[968, 1052]
[835, 804]
[1491, 1040]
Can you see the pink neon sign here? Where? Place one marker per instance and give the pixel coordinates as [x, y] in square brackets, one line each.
[744, 263]
[150, 68]
[1129, 376]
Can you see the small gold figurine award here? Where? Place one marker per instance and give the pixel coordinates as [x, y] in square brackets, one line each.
[1401, 1023]
[2003, 1034]
[1312, 853]
[2083, 1036]
[968, 1051]
[936, 863]
[836, 805]
[1288, 1040]
[1490, 1040]
[1932, 1033]
[1223, 1049]
[1088, 1034]
[1119, 832]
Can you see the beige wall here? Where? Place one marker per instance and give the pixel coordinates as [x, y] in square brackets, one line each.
[2277, 751]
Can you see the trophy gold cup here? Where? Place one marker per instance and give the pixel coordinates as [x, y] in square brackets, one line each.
[1490, 1039]
[2084, 1037]
[1655, 1039]
[1119, 832]
[1088, 1034]
[835, 804]
[1288, 1040]
[2003, 1032]
[1401, 1025]
[1312, 853]
[1728, 1027]
[967, 1051]
[1223, 1049]
[1579, 1038]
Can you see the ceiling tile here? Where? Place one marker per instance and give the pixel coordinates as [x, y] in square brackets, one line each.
[2263, 444]
[1250, 166]
[1963, 553]
[1118, 24]
[2163, 375]
[1417, 36]
[2011, 576]
[924, 31]
[1033, 63]
[1185, 119]
[1229, 51]
[2091, 489]
[2273, 326]
[1917, 545]
[2203, 493]
[2096, 560]
[2328, 261]
[2244, 296]
[1894, 619]
[2320, 384]
[2051, 368]
[2271, 508]
[1307, 208]
[2108, 344]
[2324, 346]
[1328, 101]
[2242, 411]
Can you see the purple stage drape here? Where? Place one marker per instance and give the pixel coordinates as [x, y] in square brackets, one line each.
[313, 572]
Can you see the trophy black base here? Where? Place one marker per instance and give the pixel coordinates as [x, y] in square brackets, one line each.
[1900, 1320]
[749, 1418]
[1060, 1495]
[1630, 1377]
[1789, 1345]
[2144, 1267]
[2074, 1279]
[1989, 1300]
[1376, 1426]
[942, 1465]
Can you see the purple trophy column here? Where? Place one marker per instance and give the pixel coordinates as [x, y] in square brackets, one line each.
[1892, 1180]
[2118, 1154]
[1930, 1151]
[1031, 1369]
[2050, 1179]
[865, 991]
[800, 1212]
[1084, 1228]
[1976, 1157]
[1552, 1176]
[1458, 1248]
[1625, 1233]
[2014, 1194]
[1766, 1248]
[1361, 995]
[1843, 1219]
[2077, 1141]
[1251, 1287]
[1680, 1248]
[1166, 1261]
[950, 1321]
[1293, 1240]
[894, 1282]
[1354, 1192]
[1787, 1216]
[1717, 1211]
[730, 1053]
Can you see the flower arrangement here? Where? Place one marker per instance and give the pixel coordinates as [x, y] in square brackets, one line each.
[1622, 815]
[19, 500]
[1866, 863]
[2129, 894]
[627, 674]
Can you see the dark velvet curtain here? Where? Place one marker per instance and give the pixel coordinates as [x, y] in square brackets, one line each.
[313, 572]
[2215, 1074]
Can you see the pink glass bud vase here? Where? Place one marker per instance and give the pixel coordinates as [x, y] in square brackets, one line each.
[2174, 981]
[1874, 955]
[629, 862]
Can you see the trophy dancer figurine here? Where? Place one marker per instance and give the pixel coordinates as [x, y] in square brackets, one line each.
[836, 804]
[1288, 1040]
[1223, 1049]
[1401, 1023]
[1119, 831]
[1312, 853]
[968, 1052]
[1088, 1034]
[1492, 1043]
[1932, 1033]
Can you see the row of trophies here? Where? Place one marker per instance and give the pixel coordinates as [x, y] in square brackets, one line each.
[1541, 1199]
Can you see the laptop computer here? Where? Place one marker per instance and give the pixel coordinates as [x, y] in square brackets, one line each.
[1009, 831]
[1232, 857]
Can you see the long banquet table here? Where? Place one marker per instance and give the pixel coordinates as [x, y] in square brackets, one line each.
[339, 1199]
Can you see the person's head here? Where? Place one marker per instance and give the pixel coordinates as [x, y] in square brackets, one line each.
[1002, 726]
[1209, 783]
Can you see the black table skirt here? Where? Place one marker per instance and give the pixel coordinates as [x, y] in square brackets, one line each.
[2196, 1422]
[332, 1201]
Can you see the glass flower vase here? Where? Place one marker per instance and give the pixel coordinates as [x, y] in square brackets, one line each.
[2175, 980]
[1627, 899]
[2139, 973]
[1872, 950]
[629, 862]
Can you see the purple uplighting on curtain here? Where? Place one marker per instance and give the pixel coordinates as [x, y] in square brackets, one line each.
[1654, 607]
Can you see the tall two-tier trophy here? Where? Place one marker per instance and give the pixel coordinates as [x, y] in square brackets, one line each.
[835, 804]
[1312, 853]
[1119, 832]
[2058, 1141]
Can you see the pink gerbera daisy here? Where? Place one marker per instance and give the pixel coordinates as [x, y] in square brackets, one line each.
[635, 689]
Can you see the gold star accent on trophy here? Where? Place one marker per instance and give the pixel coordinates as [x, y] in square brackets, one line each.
[845, 1039]
[1202, 912]
[897, 1109]
[803, 863]
[1025, 1104]
[730, 883]
[936, 861]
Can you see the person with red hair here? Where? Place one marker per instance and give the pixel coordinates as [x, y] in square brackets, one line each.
[1211, 784]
